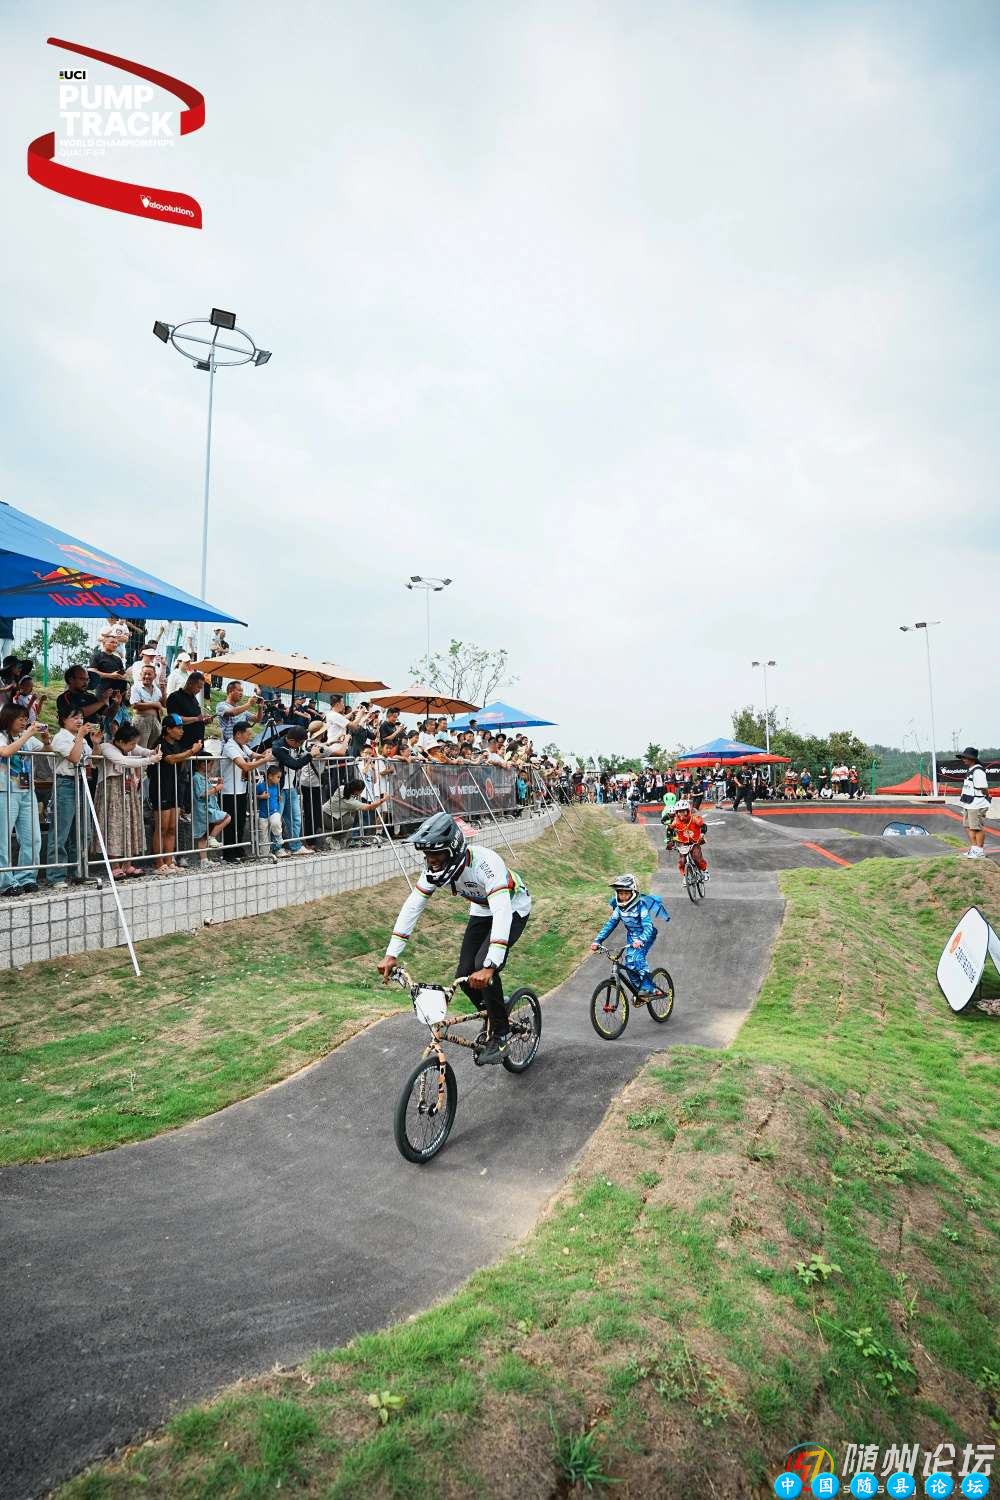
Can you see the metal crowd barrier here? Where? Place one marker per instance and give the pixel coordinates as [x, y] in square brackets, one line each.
[160, 818]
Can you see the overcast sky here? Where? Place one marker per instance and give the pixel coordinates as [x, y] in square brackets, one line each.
[668, 330]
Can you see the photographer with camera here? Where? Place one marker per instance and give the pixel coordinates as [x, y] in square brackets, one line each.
[234, 708]
[289, 755]
[71, 754]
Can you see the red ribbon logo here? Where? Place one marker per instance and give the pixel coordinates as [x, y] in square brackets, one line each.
[165, 204]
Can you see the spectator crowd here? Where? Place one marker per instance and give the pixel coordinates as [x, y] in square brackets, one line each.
[178, 776]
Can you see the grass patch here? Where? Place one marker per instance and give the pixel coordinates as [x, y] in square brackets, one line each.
[91, 1058]
[796, 1236]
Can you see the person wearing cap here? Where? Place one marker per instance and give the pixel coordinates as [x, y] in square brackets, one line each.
[180, 672]
[149, 656]
[975, 800]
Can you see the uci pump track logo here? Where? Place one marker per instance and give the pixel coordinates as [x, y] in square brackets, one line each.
[97, 119]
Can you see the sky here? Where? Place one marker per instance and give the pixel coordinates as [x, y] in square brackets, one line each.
[666, 330]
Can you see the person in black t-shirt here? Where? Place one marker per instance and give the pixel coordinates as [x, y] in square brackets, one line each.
[77, 695]
[186, 702]
[391, 733]
[106, 667]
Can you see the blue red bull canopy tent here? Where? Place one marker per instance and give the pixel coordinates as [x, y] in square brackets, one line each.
[501, 716]
[45, 572]
[729, 752]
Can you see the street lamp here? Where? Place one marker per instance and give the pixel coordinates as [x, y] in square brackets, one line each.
[767, 720]
[206, 356]
[925, 626]
[430, 586]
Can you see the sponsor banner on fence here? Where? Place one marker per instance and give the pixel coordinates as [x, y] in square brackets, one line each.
[460, 788]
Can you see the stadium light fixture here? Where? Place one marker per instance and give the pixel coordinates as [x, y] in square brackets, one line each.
[198, 340]
[429, 586]
[767, 718]
[925, 626]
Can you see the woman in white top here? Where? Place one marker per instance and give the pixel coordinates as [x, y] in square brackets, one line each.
[18, 808]
[119, 798]
[70, 751]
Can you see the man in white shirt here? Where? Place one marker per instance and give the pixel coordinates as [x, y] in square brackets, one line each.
[336, 723]
[975, 800]
[146, 703]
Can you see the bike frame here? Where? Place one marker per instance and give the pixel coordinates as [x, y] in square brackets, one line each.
[621, 973]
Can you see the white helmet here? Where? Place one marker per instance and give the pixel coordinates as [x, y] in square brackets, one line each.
[625, 883]
[682, 806]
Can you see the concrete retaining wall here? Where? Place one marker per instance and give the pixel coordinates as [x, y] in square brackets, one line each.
[85, 918]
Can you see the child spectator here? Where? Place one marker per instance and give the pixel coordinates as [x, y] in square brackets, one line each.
[207, 817]
[270, 806]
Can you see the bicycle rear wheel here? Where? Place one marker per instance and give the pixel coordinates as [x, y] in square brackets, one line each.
[609, 1010]
[661, 1005]
[524, 1016]
[423, 1119]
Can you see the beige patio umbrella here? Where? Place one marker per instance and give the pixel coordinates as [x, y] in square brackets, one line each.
[420, 699]
[285, 670]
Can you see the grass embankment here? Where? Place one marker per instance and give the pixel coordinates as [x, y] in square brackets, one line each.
[792, 1240]
[91, 1057]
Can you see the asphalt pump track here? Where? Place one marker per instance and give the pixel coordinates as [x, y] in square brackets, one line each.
[145, 1278]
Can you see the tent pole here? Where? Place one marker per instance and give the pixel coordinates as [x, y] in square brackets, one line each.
[107, 863]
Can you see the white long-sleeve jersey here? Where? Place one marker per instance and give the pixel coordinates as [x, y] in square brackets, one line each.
[489, 887]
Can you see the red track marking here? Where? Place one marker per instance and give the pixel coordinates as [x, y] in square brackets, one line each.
[889, 813]
[826, 853]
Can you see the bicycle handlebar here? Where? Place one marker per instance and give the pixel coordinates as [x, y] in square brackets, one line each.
[406, 982]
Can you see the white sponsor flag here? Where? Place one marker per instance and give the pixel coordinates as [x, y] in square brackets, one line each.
[960, 967]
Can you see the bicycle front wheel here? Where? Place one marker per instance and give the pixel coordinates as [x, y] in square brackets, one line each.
[524, 1016]
[609, 1010]
[425, 1112]
[692, 879]
[661, 1005]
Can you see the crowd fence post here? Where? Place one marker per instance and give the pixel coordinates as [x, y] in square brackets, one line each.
[392, 842]
[114, 887]
[493, 815]
[547, 797]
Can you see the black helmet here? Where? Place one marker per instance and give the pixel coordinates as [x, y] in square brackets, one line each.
[441, 834]
[625, 883]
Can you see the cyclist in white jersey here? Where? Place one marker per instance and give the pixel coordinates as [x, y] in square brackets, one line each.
[498, 912]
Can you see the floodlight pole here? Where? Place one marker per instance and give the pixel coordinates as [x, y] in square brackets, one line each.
[925, 626]
[767, 718]
[208, 472]
[243, 352]
[429, 586]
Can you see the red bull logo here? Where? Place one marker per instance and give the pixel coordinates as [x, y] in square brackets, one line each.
[81, 580]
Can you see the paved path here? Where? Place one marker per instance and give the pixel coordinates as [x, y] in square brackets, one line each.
[142, 1279]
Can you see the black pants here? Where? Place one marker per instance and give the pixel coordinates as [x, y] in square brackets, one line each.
[236, 829]
[475, 946]
[312, 811]
[743, 794]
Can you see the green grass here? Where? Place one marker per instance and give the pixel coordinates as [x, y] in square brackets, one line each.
[657, 1334]
[91, 1057]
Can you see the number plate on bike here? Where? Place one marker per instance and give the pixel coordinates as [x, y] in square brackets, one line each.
[430, 1004]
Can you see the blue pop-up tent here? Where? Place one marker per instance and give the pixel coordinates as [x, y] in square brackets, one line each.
[727, 750]
[45, 572]
[501, 716]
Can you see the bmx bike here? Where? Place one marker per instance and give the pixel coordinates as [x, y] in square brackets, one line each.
[609, 1004]
[428, 1101]
[694, 876]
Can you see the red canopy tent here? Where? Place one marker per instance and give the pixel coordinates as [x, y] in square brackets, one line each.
[917, 785]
